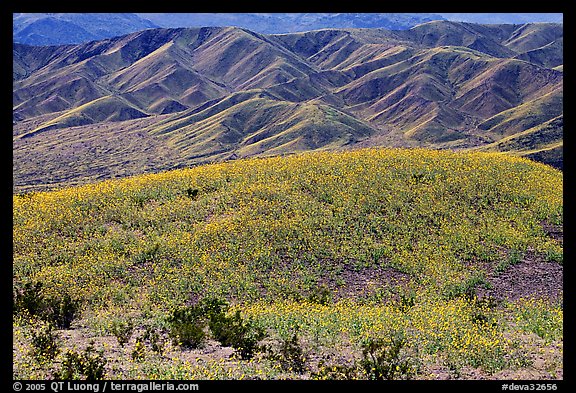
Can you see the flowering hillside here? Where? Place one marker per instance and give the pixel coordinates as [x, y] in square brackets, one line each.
[331, 257]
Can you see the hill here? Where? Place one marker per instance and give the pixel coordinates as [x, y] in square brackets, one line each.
[212, 93]
[452, 259]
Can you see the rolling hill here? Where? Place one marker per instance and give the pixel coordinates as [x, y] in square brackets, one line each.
[195, 95]
[450, 261]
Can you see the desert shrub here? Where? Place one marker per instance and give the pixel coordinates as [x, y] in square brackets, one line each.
[291, 354]
[554, 255]
[154, 339]
[139, 351]
[210, 307]
[336, 372]
[57, 310]
[45, 344]
[61, 311]
[320, 294]
[383, 360]
[122, 330]
[541, 318]
[407, 300]
[187, 326]
[28, 298]
[233, 331]
[514, 258]
[89, 364]
[467, 288]
[191, 192]
[481, 312]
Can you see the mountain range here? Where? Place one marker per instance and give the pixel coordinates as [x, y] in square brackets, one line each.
[164, 98]
[73, 28]
[76, 28]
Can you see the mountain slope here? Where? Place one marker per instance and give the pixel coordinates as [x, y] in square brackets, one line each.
[214, 93]
[543, 142]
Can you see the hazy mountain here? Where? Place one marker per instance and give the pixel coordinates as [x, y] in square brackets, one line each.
[163, 98]
[73, 28]
[290, 22]
[504, 18]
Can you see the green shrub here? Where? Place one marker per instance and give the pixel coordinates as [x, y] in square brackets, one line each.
[233, 331]
[28, 298]
[514, 258]
[336, 372]
[382, 359]
[59, 311]
[320, 294]
[139, 352]
[466, 288]
[554, 255]
[153, 337]
[187, 326]
[89, 365]
[122, 330]
[210, 307]
[191, 192]
[45, 344]
[407, 300]
[291, 354]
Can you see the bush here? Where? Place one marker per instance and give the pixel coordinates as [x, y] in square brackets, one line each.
[321, 295]
[514, 258]
[59, 311]
[87, 365]
[466, 289]
[406, 300]
[28, 299]
[122, 330]
[187, 327]
[382, 359]
[554, 255]
[139, 352]
[153, 337]
[45, 344]
[234, 332]
[291, 354]
[335, 372]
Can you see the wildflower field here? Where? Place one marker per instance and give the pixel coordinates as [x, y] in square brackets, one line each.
[365, 264]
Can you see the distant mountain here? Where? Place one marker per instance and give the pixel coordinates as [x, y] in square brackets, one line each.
[291, 22]
[74, 28]
[504, 18]
[164, 98]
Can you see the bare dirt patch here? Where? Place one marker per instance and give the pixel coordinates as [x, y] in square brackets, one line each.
[555, 231]
[531, 277]
[358, 283]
